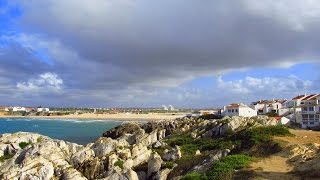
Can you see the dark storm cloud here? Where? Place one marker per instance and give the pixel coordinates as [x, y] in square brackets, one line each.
[132, 45]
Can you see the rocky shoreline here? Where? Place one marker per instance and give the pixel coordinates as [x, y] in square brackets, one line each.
[130, 151]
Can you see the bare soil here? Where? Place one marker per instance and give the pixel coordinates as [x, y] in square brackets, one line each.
[277, 166]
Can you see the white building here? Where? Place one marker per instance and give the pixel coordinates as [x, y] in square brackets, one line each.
[18, 109]
[165, 107]
[43, 109]
[309, 116]
[267, 106]
[239, 110]
[291, 107]
[170, 108]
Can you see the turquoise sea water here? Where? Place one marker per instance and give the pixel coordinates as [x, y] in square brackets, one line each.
[77, 131]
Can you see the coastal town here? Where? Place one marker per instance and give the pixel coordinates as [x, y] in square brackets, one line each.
[302, 111]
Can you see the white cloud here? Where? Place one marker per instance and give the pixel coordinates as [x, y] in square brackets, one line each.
[47, 82]
[296, 13]
[266, 87]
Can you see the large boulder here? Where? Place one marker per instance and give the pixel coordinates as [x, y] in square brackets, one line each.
[140, 154]
[173, 154]
[82, 156]
[154, 164]
[104, 146]
[129, 128]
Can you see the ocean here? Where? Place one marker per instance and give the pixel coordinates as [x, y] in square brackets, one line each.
[72, 130]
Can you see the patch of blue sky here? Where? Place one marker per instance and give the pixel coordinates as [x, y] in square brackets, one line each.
[201, 82]
[304, 71]
[8, 13]
[43, 55]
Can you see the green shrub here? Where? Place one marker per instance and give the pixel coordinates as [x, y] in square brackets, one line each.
[119, 163]
[260, 138]
[24, 144]
[39, 139]
[5, 157]
[225, 168]
[168, 165]
[194, 176]
[179, 140]
[189, 149]
[212, 144]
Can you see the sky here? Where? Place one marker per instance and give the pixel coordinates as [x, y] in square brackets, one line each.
[148, 53]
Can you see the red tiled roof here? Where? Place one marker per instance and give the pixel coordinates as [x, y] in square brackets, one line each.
[307, 97]
[314, 97]
[298, 97]
[233, 105]
[278, 118]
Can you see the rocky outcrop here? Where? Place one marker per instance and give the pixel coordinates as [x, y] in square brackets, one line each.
[129, 128]
[118, 153]
[44, 158]
[207, 163]
[236, 123]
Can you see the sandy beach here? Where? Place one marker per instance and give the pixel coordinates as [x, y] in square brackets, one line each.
[120, 116]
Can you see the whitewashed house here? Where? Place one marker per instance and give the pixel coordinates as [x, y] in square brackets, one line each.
[43, 109]
[309, 116]
[267, 106]
[239, 110]
[292, 106]
[18, 109]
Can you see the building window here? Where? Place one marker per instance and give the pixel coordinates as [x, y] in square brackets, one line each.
[311, 116]
[305, 109]
[232, 110]
[237, 110]
[305, 116]
[229, 110]
[302, 102]
[311, 122]
[311, 108]
[306, 123]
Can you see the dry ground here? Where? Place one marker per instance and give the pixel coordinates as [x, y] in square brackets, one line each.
[276, 166]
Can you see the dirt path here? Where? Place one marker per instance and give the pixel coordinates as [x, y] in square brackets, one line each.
[276, 166]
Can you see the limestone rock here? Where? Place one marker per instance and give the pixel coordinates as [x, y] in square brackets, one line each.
[104, 146]
[81, 156]
[172, 154]
[162, 175]
[159, 144]
[154, 164]
[129, 128]
[142, 175]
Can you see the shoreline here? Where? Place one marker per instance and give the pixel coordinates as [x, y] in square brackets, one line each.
[105, 117]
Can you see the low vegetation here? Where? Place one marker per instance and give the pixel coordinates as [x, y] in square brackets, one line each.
[194, 176]
[5, 157]
[225, 168]
[39, 139]
[168, 165]
[119, 163]
[245, 144]
[24, 144]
